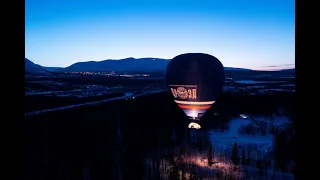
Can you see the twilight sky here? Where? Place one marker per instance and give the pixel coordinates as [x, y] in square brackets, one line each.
[255, 34]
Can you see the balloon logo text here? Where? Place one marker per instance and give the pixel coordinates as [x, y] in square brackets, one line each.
[186, 92]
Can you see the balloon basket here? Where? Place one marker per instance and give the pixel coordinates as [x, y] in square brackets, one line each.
[194, 125]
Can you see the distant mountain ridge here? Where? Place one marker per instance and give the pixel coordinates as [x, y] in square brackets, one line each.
[122, 65]
[32, 68]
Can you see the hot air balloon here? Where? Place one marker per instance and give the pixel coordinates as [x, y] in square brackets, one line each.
[195, 81]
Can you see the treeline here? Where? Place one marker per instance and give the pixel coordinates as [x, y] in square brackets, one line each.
[254, 129]
[48, 86]
[274, 74]
[107, 81]
[110, 140]
[240, 163]
[284, 150]
[99, 139]
[40, 102]
[229, 105]
[260, 104]
[264, 128]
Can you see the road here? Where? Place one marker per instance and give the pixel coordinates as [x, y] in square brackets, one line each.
[53, 92]
[126, 96]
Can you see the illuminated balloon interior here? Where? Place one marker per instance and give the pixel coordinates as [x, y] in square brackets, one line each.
[194, 110]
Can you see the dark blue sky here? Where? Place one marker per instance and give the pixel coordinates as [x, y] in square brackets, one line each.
[241, 33]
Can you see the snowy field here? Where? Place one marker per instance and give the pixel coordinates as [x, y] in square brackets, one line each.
[288, 85]
[226, 139]
[257, 82]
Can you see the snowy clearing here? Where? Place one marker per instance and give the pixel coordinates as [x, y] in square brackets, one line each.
[227, 138]
[257, 82]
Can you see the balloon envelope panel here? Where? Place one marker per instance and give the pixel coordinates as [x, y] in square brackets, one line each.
[195, 81]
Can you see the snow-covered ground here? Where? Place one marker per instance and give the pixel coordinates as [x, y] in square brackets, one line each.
[257, 82]
[283, 90]
[289, 77]
[242, 172]
[194, 160]
[288, 85]
[226, 139]
[252, 87]
[223, 142]
[127, 96]
[255, 87]
[51, 92]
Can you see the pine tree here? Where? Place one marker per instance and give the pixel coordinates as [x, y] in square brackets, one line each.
[200, 142]
[218, 174]
[183, 176]
[174, 173]
[243, 157]
[210, 161]
[248, 161]
[193, 175]
[273, 175]
[259, 166]
[149, 173]
[234, 154]
[280, 151]
[294, 170]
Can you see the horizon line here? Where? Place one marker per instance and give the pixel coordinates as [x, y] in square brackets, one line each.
[254, 69]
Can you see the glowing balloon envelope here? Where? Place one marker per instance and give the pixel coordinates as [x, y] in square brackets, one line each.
[195, 81]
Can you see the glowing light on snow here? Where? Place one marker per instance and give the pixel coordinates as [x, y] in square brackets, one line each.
[243, 116]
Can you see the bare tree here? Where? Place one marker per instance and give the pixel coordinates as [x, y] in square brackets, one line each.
[234, 154]
[210, 156]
